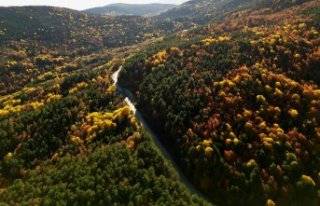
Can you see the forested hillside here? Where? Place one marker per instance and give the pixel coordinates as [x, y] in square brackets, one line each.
[230, 87]
[59, 26]
[73, 141]
[200, 12]
[40, 43]
[238, 102]
[131, 9]
[66, 136]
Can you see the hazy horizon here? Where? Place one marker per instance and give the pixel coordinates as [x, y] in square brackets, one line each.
[81, 4]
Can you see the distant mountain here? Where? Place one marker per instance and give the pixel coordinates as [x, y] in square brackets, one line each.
[49, 24]
[131, 9]
[203, 11]
[58, 26]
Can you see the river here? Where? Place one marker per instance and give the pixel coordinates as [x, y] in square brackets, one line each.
[129, 100]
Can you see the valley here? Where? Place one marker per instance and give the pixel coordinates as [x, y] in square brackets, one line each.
[130, 102]
[210, 102]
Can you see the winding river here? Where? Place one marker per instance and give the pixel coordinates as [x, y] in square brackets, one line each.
[129, 100]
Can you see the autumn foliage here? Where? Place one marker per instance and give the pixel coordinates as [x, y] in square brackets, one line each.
[240, 102]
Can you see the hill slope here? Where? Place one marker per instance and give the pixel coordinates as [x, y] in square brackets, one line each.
[51, 25]
[131, 9]
[66, 136]
[72, 140]
[204, 11]
[46, 37]
[238, 102]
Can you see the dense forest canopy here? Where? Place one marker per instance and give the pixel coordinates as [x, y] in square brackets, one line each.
[230, 87]
[240, 103]
[74, 141]
[58, 26]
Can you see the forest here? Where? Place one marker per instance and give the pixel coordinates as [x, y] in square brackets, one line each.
[64, 28]
[239, 104]
[73, 141]
[230, 88]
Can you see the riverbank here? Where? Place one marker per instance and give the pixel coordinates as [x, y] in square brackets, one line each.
[129, 99]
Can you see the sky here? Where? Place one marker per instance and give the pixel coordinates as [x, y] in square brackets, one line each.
[81, 4]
